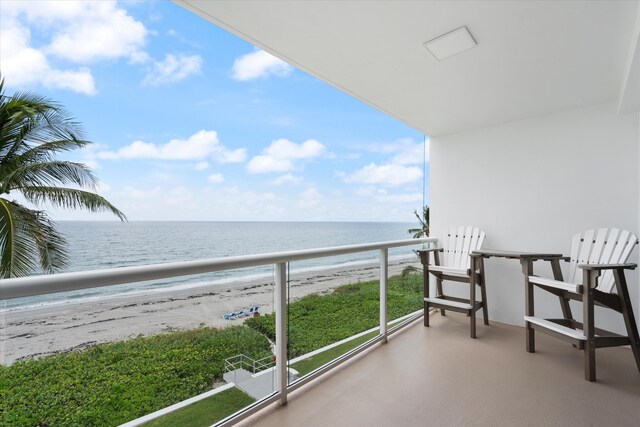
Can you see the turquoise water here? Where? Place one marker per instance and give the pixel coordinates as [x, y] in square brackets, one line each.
[100, 245]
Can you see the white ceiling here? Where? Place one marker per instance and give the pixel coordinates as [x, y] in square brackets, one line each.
[532, 58]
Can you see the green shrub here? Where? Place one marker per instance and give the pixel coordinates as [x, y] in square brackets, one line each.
[109, 384]
[319, 320]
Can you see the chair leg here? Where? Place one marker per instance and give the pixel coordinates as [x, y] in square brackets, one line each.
[483, 290]
[589, 280]
[627, 314]
[425, 289]
[527, 270]
[426, 314]
[472, 297]
[439, 290]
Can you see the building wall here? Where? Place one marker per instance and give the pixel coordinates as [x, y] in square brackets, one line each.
[531, 185]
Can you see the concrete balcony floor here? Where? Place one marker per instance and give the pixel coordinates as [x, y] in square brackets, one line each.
[438, 376]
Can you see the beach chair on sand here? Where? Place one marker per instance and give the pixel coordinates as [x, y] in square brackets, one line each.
[231, 316]
[253, 311]
[597, 263]
[455, 266]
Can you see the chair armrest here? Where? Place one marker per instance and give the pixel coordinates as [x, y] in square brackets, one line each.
[430, 250]
[628, 266]
[557, 284]
[424, 255]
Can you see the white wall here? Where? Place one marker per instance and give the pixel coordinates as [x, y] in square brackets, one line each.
[531, 185]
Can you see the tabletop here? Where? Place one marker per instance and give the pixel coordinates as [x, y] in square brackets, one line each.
[489, 253]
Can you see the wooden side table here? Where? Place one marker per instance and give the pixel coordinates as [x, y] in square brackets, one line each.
[526, 261]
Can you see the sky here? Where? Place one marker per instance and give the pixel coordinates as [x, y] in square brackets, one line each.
[189, 122]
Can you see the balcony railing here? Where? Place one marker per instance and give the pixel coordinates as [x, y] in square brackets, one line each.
[64, 282]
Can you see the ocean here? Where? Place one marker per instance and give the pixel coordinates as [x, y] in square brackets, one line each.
[98, 245]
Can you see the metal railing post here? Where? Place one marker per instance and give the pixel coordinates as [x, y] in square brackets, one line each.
[384, 274]
[281, 330]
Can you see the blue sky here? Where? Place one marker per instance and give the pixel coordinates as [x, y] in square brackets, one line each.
[193, 123]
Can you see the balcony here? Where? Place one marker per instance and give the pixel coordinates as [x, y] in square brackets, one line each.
[534, 136]
[439, 376]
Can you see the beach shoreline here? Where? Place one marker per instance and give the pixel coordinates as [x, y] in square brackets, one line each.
[40, 332]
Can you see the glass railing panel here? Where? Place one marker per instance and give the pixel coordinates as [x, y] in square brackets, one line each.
[404, 290]
[99, 357]
[332, 308]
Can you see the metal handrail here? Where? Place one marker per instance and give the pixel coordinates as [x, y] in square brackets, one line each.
[241, 361]
[63, 282]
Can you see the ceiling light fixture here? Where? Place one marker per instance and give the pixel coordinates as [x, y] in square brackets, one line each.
[451, 43]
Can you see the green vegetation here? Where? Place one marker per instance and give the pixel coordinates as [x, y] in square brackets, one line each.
[316, 321]
[110, 384]
[114, 383]
[206, 411]
[32, 131]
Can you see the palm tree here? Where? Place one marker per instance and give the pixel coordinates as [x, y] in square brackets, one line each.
[32, 131]
[423, 231]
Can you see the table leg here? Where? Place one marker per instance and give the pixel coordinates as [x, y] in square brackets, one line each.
[527, 270]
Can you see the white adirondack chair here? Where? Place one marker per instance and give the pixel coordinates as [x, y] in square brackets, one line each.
[457, 266]
[598, 260]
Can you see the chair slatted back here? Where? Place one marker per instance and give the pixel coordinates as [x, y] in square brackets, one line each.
[458, 243]
[603, 246]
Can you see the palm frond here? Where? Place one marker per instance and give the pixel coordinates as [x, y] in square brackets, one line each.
[27, 236]
[423, 220]
[46, 174]
[28, 120]
[70, 198]
[32, 130]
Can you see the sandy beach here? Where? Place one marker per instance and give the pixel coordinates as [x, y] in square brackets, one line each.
[50, 330]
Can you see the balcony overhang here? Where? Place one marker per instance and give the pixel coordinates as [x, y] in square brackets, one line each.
[532, 57]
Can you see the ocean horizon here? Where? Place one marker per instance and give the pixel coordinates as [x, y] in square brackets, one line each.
[95, 245]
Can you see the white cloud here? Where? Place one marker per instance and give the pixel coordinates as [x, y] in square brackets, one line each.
[23, 65]
[200, 166]
[238, 155]
[409, 152]
[98, 30]
[406, 151]
[286, 179]
[382, 196]
[81, 32]
[77, 31]
[173, 69]
[259, 64]
[399, 198]
[389, 175]
[216, 178]
[199, 146]
[309, 198]
[282, 155]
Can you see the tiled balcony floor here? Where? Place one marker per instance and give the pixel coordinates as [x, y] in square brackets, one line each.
[438, 376]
